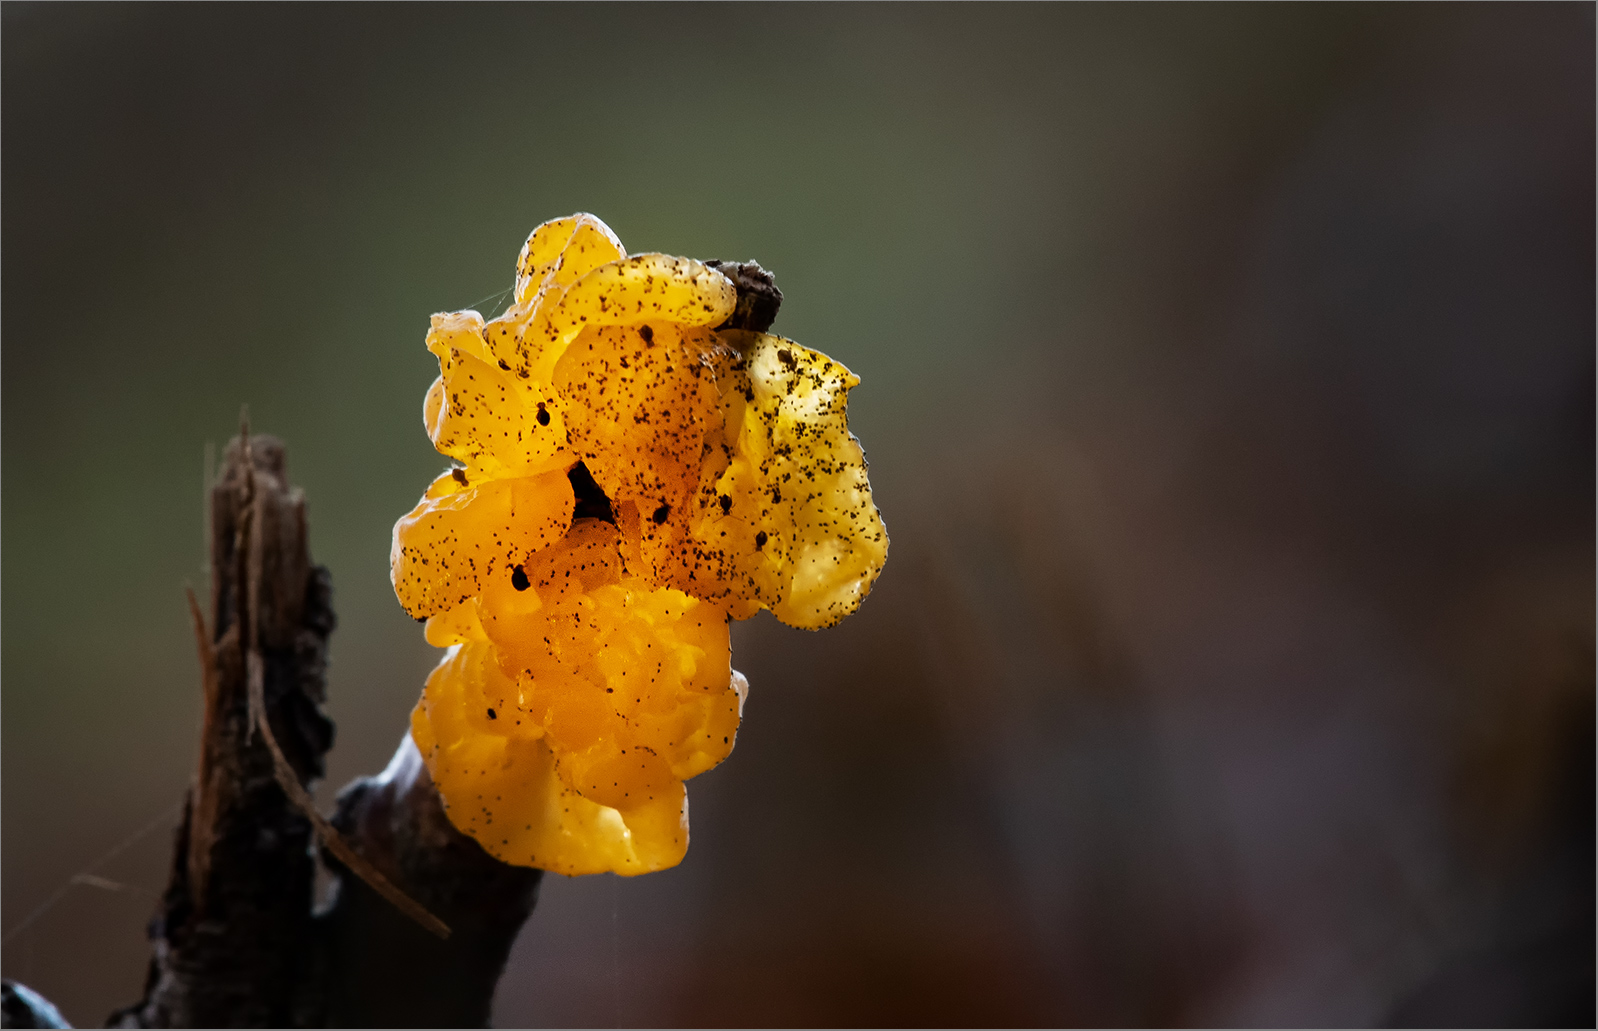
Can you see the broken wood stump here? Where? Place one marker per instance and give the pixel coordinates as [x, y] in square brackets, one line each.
[237, 940]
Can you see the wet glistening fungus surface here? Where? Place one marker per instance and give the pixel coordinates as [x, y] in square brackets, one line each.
[638, 463]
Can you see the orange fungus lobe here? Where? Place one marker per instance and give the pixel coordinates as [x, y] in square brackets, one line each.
[632, 474]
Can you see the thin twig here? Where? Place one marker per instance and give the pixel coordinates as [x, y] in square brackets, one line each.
[329, 834]
[203, 815]
[287, 779]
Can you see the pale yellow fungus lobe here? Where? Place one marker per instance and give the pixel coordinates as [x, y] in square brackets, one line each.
[783, 516]
[633, 474]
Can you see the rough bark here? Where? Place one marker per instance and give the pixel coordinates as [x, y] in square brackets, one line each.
[235, 940]
[758, 296]
[382, 968]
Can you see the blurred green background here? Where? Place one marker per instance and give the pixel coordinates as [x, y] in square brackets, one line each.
[1228, 383]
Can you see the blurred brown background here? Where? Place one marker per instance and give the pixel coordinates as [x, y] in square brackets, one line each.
[1228, 380]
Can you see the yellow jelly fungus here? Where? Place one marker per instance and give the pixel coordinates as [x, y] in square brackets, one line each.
[633, 473]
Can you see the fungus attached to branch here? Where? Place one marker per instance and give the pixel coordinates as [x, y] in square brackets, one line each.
[639, 463]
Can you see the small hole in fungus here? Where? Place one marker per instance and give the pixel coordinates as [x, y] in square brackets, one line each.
[591, 501]
[518, 579]
[491, 715]
[760, 539]
[661, 513]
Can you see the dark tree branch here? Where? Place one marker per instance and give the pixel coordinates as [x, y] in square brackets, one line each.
[229, 936]
[235, 940]
[382, 968]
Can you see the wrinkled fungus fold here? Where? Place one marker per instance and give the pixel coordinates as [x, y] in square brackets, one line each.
[630, 474]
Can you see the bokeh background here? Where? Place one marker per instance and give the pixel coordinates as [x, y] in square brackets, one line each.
[1228, 380]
